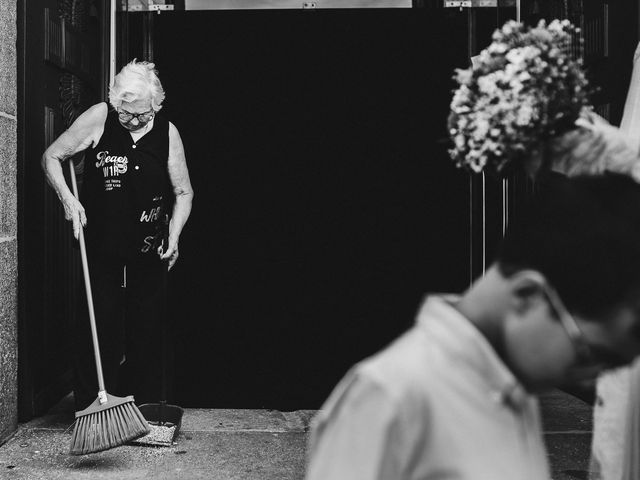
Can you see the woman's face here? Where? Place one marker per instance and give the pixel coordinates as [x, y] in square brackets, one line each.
[136, 114]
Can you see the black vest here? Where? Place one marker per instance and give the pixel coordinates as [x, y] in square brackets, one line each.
[125, 190]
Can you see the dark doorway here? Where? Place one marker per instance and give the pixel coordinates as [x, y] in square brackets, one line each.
[325, 203]
[62, 70]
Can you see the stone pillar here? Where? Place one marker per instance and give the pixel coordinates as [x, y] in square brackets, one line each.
[8, 222]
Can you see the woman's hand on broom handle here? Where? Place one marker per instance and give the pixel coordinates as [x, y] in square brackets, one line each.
[74, 212]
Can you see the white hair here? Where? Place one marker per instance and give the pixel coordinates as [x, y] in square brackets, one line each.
[137, 80]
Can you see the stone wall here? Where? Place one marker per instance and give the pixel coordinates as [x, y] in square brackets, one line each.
[8, 222]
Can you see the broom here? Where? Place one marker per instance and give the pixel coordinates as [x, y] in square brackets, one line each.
[109, 421]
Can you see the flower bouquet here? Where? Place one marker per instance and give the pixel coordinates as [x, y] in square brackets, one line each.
[524, 88]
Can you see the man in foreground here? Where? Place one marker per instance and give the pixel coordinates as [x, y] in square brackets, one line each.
[452, 398]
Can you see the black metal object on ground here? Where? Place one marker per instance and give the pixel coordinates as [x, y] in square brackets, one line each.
[165, 422]
[164, 419]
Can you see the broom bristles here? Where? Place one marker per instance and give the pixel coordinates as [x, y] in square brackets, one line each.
[101, 427]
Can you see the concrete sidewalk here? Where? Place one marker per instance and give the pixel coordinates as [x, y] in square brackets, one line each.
[567, 423]
[238, 445]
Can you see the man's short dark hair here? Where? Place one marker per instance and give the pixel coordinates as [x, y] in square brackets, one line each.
[583, 235]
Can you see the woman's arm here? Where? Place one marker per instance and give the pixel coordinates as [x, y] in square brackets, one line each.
[179, 177]
[84, 132]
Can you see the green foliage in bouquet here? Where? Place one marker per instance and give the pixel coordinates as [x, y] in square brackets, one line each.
[524, 88]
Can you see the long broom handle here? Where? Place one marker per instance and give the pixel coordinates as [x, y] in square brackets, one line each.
[87, 285]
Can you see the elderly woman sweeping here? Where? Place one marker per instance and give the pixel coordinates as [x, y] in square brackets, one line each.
[135, 172]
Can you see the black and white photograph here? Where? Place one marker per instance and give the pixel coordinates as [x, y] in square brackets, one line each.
[320, 240]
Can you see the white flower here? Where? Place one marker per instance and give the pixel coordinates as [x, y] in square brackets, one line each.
[529, 52]
[487, 84]
[512, 70]
[558, 26]
[515, 56]
[482, 128]
[519, 56]
[464, 76]
[525, 115]
[497, 47]
[461, 96]
[479, 163]
[524, 76]
[509, 27]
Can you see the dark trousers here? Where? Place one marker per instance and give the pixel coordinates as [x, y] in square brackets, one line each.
[129, 326]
